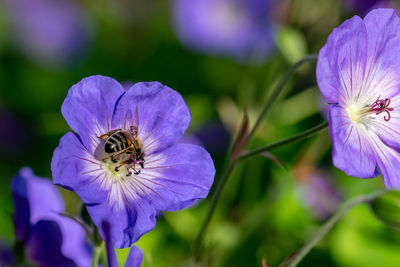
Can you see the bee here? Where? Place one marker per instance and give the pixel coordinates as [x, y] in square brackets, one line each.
[124, 146]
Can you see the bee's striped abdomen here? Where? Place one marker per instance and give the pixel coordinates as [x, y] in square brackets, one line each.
[116, 143]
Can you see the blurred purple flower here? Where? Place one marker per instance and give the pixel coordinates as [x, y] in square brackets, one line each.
[6, 255]
[128, 187]
[15, 134]
[214, 137]
[320, 194]
[240, 29]
[52, 33]
[49, 239]
[362, 7]
[358, 73]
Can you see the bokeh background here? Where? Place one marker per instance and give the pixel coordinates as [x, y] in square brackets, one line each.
[223, 56]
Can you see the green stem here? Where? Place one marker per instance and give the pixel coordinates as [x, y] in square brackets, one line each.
[96, 255]
[232, 164]
[324, 228]
[279, 88]
[284, 142]
[210, 212]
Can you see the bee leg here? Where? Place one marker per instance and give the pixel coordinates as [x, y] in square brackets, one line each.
[117, 168]
[129, 172]
[114, 160]
[137, 172]
[141, 164]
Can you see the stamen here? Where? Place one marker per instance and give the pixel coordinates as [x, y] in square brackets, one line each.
[380, 106]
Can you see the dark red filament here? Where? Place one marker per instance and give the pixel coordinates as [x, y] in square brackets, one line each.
[380, 106]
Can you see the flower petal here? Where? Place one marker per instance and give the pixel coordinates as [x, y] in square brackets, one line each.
[178, 176]
[44, 245]
[160, 112]
[351, 145]
[383, 60]
[75, 169]
[61, 243]
[47, 228]
[341, 62]
[135, 257]
[34, 199]
[127, 221]
[389, 166]
[89, 106]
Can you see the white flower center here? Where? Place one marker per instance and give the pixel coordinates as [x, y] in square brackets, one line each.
[358, 112]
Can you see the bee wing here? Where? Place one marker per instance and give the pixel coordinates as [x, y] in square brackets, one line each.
[128, 118]
[136, 118]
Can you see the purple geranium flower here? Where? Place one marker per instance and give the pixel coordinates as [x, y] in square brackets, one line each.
[52, 33]
[124, 162]
[358, 72]
[240, 29]
[49, 239]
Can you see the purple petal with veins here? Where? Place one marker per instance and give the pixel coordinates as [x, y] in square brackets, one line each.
[125, 162]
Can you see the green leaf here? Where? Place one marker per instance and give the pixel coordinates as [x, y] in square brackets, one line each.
[291, 43]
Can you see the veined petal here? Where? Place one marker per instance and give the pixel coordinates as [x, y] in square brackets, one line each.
[74, 168]
[128, 220]
[383, 60]
[351, 145]
[341, 62]
[89, 106]
[178, 176]
[160, 113]
[389, 165]
[135, 256]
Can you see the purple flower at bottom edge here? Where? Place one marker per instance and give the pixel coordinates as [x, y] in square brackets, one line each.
[358, 71]
[124, 162]
[135, 256]
[49, 239]
[239, 29]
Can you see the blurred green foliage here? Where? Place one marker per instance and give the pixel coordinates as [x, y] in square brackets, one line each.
[262, 212]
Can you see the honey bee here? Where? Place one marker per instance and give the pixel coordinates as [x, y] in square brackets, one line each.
[124, 146]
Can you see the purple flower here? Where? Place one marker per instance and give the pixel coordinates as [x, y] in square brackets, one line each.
[52, 33]
[49, 239]
[239, 29]
[320, 194]
[358, 72]
[124, 162]
[363, 6]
